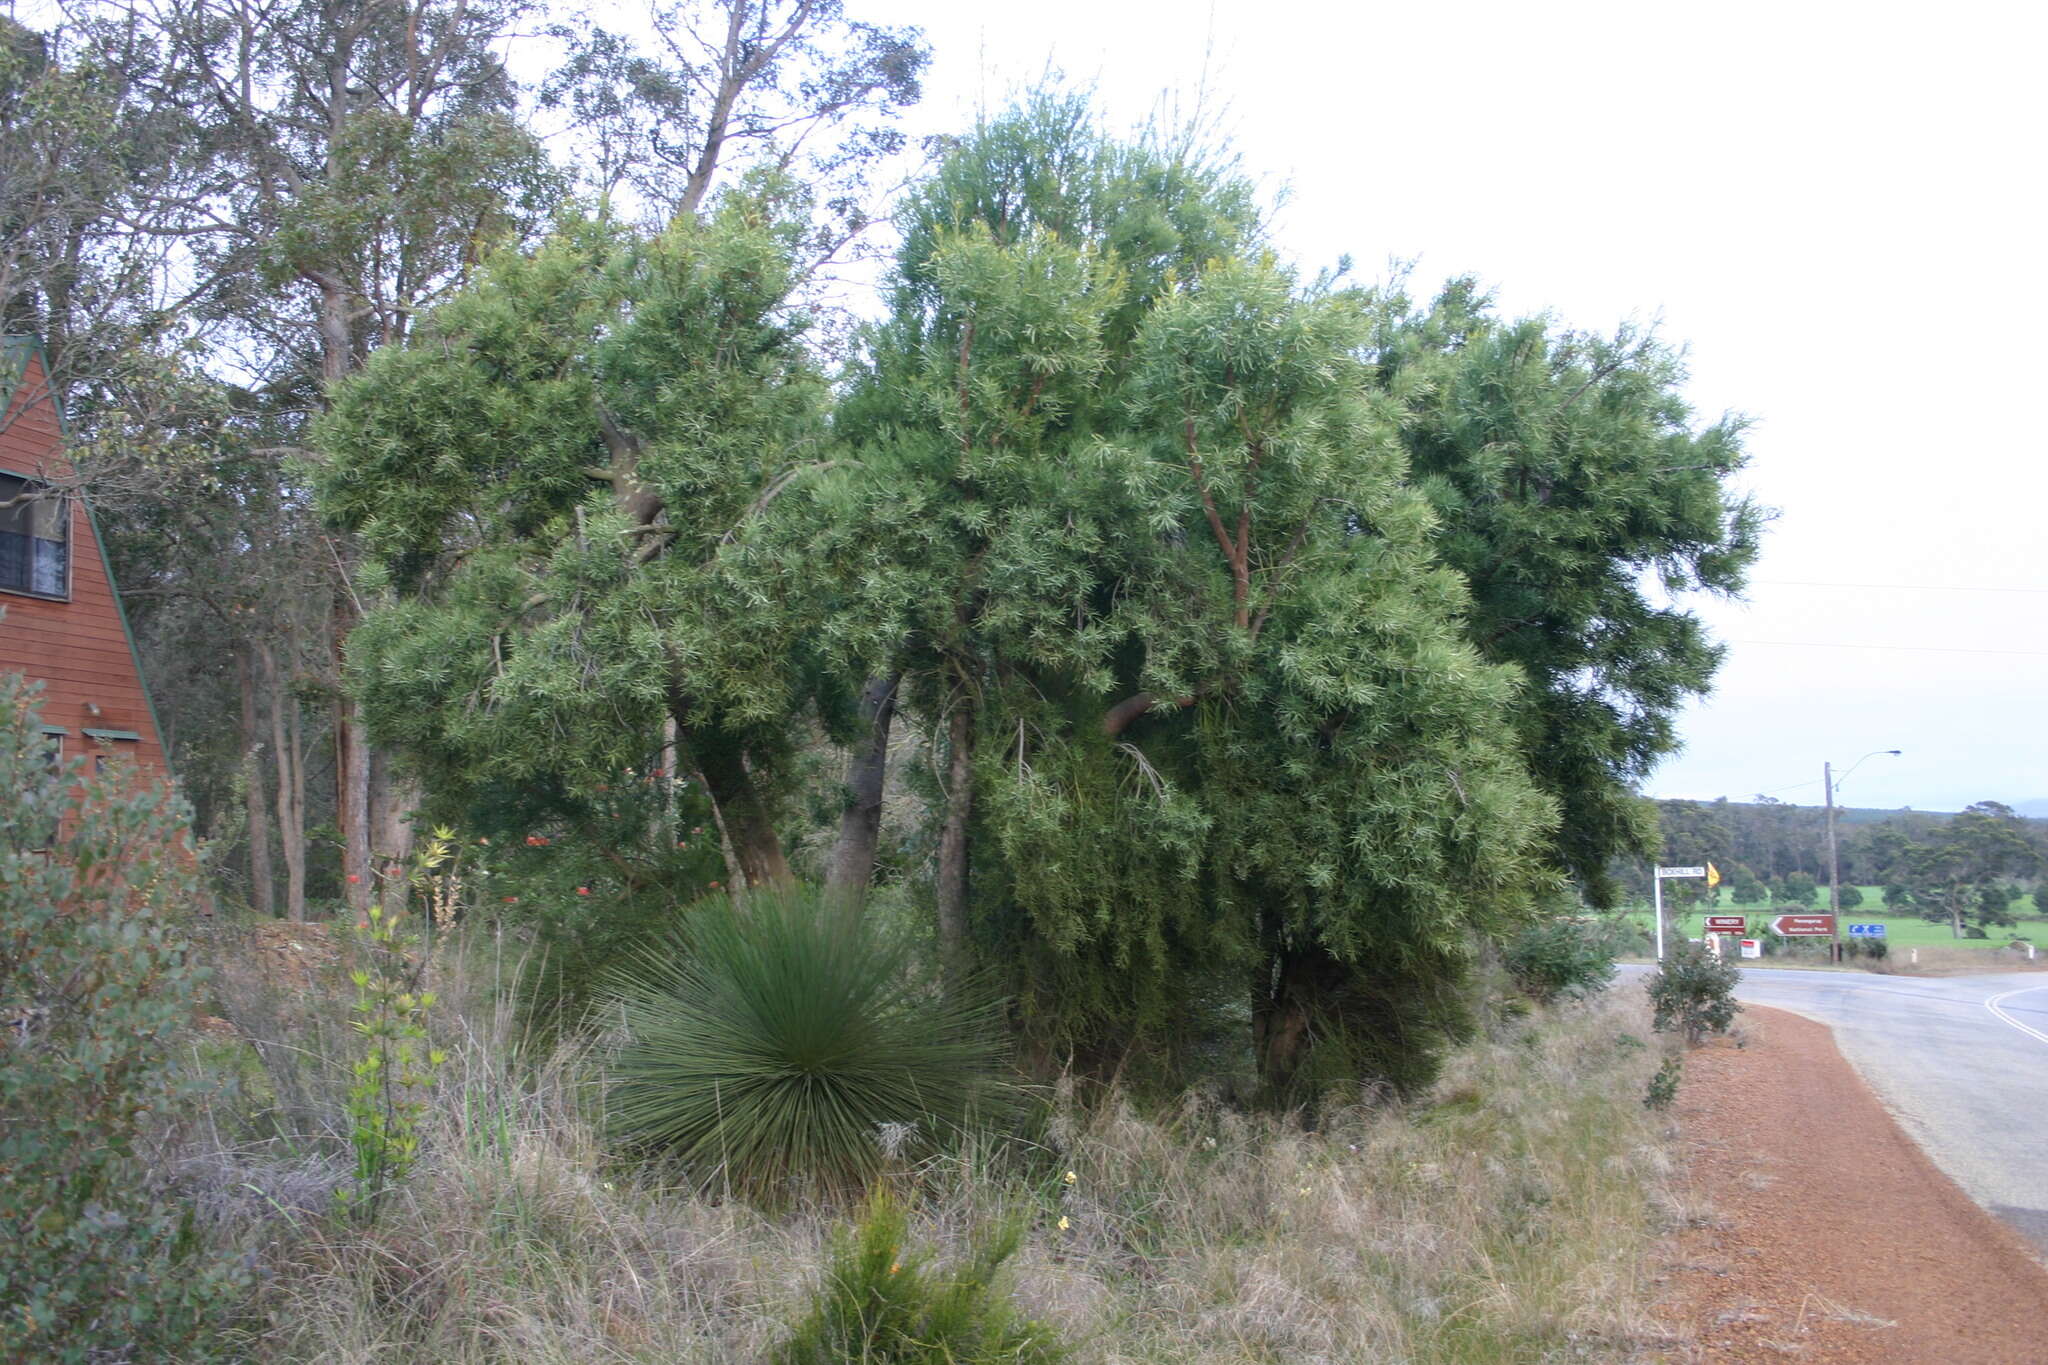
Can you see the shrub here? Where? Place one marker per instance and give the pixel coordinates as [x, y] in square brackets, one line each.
[1561, 957]
[1693, 994]
[396, 1068]
[1663, 1088]
[882, 1305]
[1798, 888]
[1851, 897]
[94, 983]
[789, 1043]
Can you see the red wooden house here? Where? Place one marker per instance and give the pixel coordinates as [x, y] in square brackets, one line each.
[60, 618]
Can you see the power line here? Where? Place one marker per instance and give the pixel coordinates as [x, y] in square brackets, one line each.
[1906, 649]
[1891, 587]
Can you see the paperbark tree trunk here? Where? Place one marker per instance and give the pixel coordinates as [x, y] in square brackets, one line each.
[291, 789]
[952, 888]
[351, 767]
[262, 887]
[395, 799]
[860, 824]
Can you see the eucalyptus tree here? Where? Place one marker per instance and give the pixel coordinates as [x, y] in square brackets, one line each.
[1583, 505]
[555, 480]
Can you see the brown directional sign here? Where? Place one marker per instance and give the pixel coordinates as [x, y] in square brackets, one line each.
[1804, 926]
[1726, 924]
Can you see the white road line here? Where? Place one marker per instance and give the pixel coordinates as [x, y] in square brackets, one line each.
[1993, 1003]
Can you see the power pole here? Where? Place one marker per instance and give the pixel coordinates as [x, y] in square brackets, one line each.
[1827, 782]
[1827, 778]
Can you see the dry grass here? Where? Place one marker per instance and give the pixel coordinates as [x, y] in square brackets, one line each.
[1513, 1218]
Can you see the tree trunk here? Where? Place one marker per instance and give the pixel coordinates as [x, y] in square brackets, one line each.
[860, 824]
[952, 889]
[395, 800]
[1284, 1008]
[351, 767]
[262, 888]
[740, 809]
[291, 807]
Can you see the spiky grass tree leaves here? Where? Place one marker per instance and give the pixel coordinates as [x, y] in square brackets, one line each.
[789, 1047]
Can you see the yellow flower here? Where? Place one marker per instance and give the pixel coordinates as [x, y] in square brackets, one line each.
[1064, 1224]
[896, 1267]
[1071, 1177]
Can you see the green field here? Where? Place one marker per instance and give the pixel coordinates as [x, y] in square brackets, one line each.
[1901, 931]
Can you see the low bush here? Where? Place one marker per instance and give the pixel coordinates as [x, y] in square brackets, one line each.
[1567, 958]
[789, 1045]
[1663, 1089]
[882, 1304]
[1693, 994]
[96, 1263]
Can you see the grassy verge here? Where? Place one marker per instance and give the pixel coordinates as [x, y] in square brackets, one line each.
[1511, 1217]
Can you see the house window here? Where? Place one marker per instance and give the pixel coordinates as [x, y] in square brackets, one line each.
[35, 538]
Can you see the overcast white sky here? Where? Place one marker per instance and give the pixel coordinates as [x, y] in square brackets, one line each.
[1836, 207]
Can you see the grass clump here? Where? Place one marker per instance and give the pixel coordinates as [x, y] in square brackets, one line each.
[788, 1045]
[883, 1304]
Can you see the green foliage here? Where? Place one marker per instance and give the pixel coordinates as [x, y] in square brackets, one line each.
[1798, 888]
[95, 1262]
[1850, 897]
[1663, 1088]
[1693, 993]
[786, 1045]
[1570, 957]
[883, 1304]
[1958, 871]
[1568, 476]
[556, 487]
[393, 1074]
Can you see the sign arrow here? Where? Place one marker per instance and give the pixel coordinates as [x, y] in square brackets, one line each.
[1803, 926]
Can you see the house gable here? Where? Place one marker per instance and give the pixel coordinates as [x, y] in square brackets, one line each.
[74, 641]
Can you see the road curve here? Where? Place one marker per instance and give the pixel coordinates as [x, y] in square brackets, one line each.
[1960, 1061]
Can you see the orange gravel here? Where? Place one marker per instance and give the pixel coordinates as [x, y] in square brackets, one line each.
[1820, 1230]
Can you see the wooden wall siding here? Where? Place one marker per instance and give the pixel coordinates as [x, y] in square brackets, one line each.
[78, 649]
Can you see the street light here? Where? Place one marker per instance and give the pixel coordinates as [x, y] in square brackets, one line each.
[1828, 784]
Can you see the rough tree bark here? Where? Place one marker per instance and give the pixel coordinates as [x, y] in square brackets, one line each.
[860, 824]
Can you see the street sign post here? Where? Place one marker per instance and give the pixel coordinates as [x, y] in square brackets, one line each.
[1727, 924]
[1803, 926]
[1866, 931]
[1708, 870]
[1752, 948]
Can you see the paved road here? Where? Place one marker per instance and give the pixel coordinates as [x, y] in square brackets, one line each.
[1961, 1061]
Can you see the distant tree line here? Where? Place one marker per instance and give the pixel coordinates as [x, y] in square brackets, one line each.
[1965, 869]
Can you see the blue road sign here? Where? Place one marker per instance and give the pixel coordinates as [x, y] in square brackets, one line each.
[1867, 930]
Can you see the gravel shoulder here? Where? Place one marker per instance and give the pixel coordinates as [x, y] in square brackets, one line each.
[1819, 1231]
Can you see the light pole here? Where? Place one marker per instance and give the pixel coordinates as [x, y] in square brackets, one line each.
[1828, 785]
